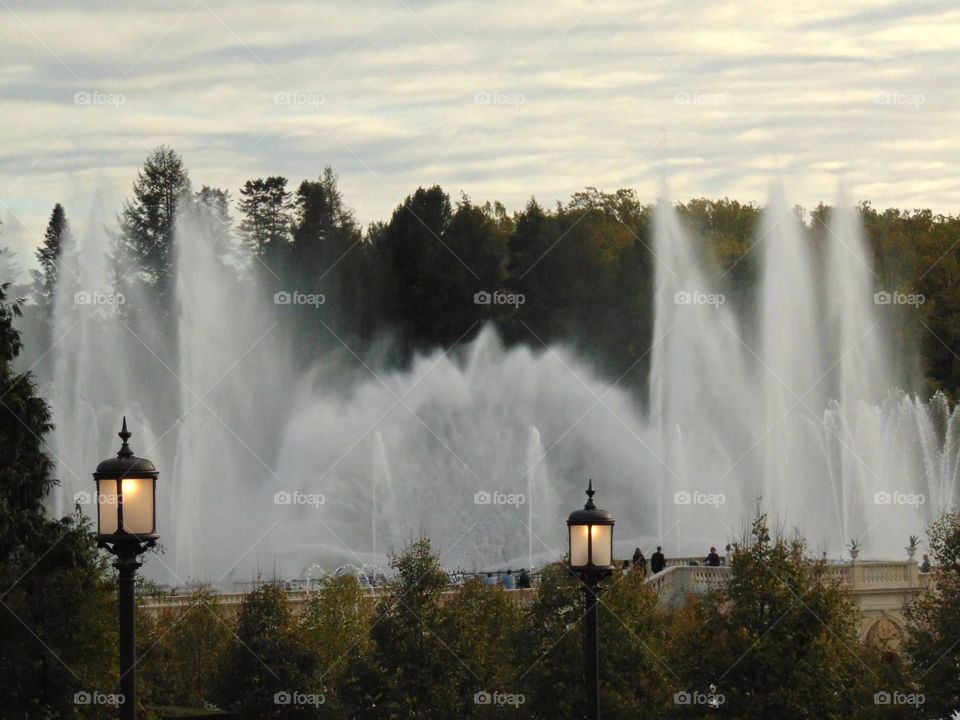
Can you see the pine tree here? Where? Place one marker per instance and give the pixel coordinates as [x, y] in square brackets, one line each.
[265, 206]
[148, 219]
[48, 255]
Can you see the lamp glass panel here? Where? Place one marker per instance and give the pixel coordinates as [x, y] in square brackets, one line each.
[602, 545]
[579, 555]
[138, 505]
[106, 507]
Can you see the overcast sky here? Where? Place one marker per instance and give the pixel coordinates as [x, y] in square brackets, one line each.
[501, 100]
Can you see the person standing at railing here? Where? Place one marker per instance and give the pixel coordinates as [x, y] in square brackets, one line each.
[925, 565]
[489, 580]
[640, 562]
[712, 559]
[523, 581]
[509, 581]
[657, 561]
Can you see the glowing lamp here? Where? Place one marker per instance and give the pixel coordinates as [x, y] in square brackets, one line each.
[591, 538]
[126, 496]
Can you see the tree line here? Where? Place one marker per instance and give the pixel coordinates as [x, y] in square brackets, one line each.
[579, 273]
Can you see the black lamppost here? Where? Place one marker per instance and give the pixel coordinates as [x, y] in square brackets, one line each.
[591, 558]
[126, 527]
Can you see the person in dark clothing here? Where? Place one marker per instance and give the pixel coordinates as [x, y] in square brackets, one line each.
[712, 559]
[639, 561]
[523, 580]
[657, 561]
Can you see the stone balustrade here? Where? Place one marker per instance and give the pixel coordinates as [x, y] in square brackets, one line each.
[881, 588]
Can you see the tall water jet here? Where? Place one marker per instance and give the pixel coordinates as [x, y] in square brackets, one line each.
[540, 500]
[381, 492]
[332, 468]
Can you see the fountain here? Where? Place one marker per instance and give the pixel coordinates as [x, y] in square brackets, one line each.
[484, 449]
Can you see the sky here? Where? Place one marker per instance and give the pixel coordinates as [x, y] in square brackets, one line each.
[499, 100]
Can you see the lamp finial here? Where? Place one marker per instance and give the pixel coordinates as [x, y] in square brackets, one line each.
[590, 491]
[125, 435]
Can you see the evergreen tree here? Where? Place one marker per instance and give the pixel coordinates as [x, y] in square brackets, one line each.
[265, 208]
[48, 255]
[147, 221]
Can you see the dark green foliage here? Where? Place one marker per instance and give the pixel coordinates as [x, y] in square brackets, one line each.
[267, 661]
[178, 649]
[48, 256]
[780, 640]
[933, 643]
[145, 244]
[56, 637]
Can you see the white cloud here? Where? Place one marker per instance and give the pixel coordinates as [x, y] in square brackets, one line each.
[794, 96]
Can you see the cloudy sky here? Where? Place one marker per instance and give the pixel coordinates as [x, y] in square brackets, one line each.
[501, 100]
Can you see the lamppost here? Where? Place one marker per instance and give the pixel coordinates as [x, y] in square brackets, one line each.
[591, 558]
[126, 527]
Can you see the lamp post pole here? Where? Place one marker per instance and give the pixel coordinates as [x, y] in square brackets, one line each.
[591, 558]
[592, 654]
[126, 528]
[127, 566]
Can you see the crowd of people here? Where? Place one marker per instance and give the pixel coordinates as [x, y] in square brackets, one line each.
[658, 563]
[509, 580]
